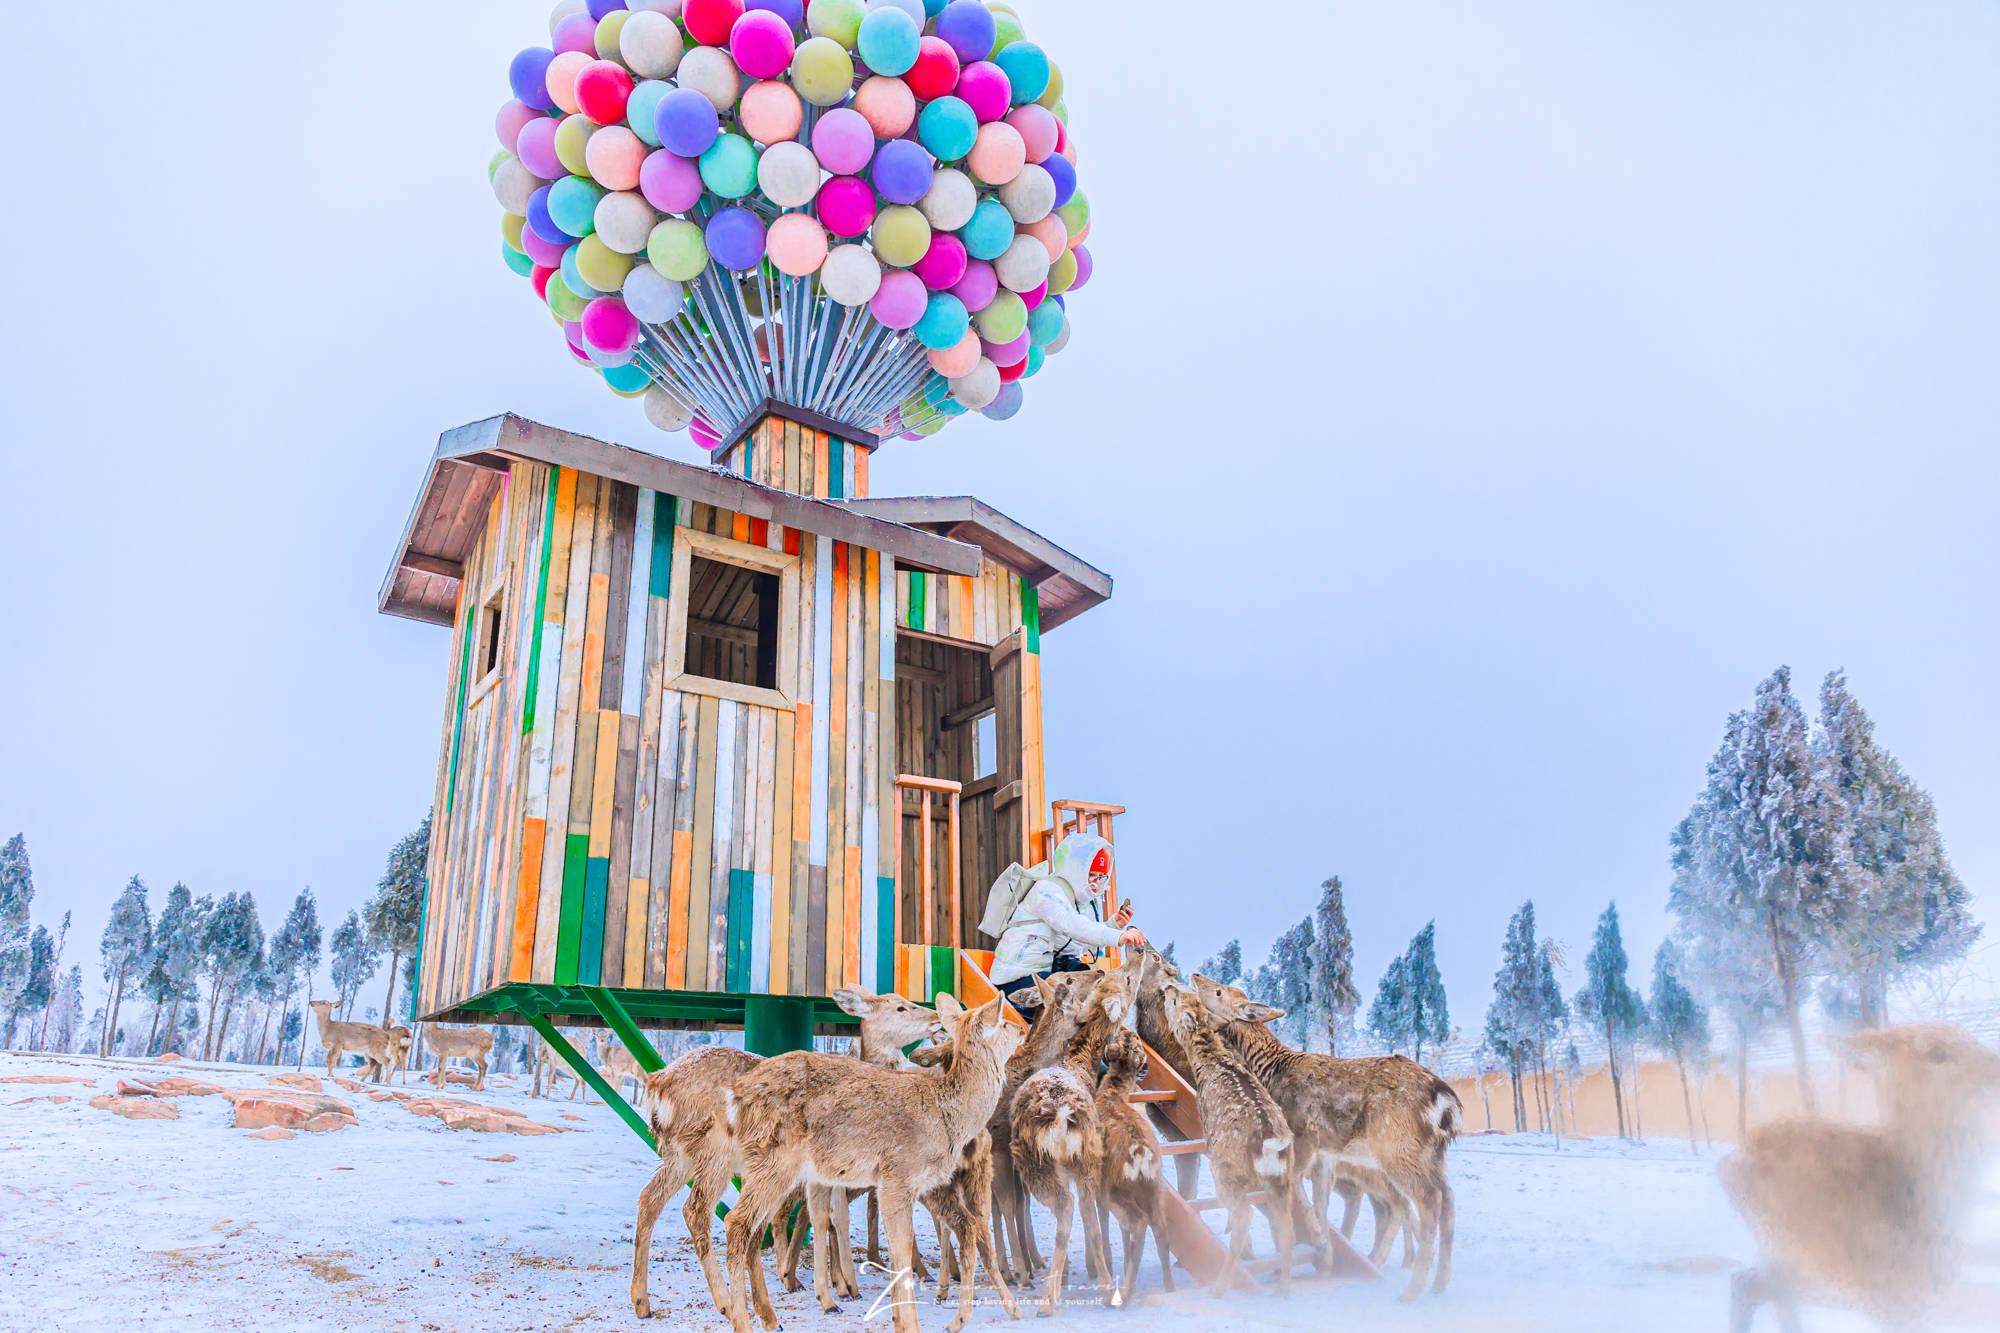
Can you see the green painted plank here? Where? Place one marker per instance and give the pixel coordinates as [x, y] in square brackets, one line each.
[917, 584]
[584, 1070]
[742, 907]
[590, 940]
[569, 929]
[1031, 615]
[541, 605]
[458, 711]
[944, 971]
[665, 515]
[836, 484]
[885, 934]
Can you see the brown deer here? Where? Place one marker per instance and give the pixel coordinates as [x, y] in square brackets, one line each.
[1868, 1216]
[1385, 1114]
[1129, 1180]
[401, 1039]
[1060, 999]
[1058, 1142]
[371, 1043]
[619, 1065]
[473, 1044]
[1247, 1140]
[811, 1119]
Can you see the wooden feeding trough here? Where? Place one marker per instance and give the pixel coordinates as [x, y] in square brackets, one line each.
[700, 724]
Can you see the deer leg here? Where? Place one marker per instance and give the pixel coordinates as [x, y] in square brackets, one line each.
[699, 1214]
[896, 1204]
[652, 1199]
[741, 1243]
[1425, 1199]
[995, 1272]
[794, 1212]
[1388, 1213]
[1750, 1288]
[1283, 1233]
[819, 1202]
[1132, 1229]
[874, 1229]
[1096, 1242]
[480, 1084]
[1064, 1208]
[1447, 1226]
[920, 1268]
[760, 1200]
[1166, 1254]
[1239, 1241]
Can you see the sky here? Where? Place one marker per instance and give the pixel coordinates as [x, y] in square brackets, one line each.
[1472, 402]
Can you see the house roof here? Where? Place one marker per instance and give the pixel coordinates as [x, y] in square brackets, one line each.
[470, 462]
[1066, 585]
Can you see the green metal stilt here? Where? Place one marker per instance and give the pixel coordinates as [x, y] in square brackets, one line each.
[584, 1070]
[775, 1024]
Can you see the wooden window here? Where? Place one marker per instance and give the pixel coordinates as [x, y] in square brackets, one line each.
[733, 627]
[487, 645]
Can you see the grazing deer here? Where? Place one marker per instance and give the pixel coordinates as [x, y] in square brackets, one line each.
[401, 1039]
[1061, 999]
[1246, 1137]
[1870, 1217]
[1129, 1172]
[473, 1044]
[811, 1119]
[550, 1067]
[1058, 1142]
[1385, 1114]
[366, 1040]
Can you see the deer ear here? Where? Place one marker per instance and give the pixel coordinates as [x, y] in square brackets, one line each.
[857, 1002]
[1252, 1012]
[948, 1007]
[1026, 999]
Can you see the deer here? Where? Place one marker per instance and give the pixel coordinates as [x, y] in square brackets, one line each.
[401, 1039]
[1057, 1139]
[1246, 1137]
[1060, 1000]
[549, 1066]
[688, 1106]
[1384, 1114]
[473, 1044]
[370, 1042]
[1129, 1167]
[619, 1065]
[1870, 1216]
[810, 1119]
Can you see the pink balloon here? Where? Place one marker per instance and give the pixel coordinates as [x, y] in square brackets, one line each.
[1031, 299]
[610, 327]
[704, 435]
[843, 141]
[761, 44]
[536, 147]
[1084, 267]
[887, 105]
[1037, 126]
[953, 362]
[978, 286]
[573, 335]
[943, 264]
[1010, 353]
[546, 253]
[771, 112]
[983, 86]
[998, 154]
[672, 184]
[561, 79]
[846, 204]
[796, 244]
[1050, 232]
[514, 113]
[899, 301]
[577, 32]
[615, 157]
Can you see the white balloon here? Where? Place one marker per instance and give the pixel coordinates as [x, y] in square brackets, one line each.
[651, 298]
[788, 174]
[1022, 267]
[851, 275]
[514, 185]
[600, 357]
[709, 71]
[1030, 196]
[671, 8]
[979, 387]
[563, 11]
[914, 8]
[651, 44]
[948, 204]
[1060, 341]
[624, 221]
[666, 411]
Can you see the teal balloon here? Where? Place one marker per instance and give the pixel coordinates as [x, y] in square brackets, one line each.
[642, 110]
[1045, 321]
[1037, 358]
[937, 389]
[989, 233]
[1027, 69]
[948, 127]
[573, 205]
[943, 323]
[729, 166]
[888, 40]
[951, 407]
[517, 261]
[628, 378]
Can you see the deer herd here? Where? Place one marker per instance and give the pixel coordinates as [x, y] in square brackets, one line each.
[984, 1117]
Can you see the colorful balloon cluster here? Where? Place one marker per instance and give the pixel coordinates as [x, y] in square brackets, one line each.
[907, 156]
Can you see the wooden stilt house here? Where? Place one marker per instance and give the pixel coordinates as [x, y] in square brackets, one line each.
[718, 740]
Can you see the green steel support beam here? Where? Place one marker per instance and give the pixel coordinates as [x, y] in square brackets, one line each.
[584, 1070]
[775, 1024]
[619, 1020]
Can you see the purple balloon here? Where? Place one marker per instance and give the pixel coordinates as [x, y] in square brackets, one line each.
[1083, 267]
[899, 302]
[528, 76]
[736, 238]
[549, 254]
[599, 8]
[967, 28]
[1064, 174]
[979, 285]
[793, 12]
[902, 171]
[1009, 353]
[671, 183]
[686, 122]
[536, 147]
[541, 223]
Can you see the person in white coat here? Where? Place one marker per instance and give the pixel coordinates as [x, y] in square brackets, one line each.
[1060, 918]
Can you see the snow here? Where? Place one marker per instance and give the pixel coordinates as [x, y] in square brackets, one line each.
[401, 1224]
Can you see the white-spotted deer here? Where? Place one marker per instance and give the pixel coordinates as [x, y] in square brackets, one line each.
[473, 1044]
[1060, 1000]
[373, 1044]
[1869, 1216]
[1129, 1180]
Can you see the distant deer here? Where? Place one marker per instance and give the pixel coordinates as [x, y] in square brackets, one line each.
[1385, 1114]
[1129, 1171]
[473, 1044]
[400, 1041]
[619, 1065]
[549, 1067]
[810, 1119]
[1246, 1138]
[1058, 1142]
[1870, 1217]
[370, 1042]
[1061, 999]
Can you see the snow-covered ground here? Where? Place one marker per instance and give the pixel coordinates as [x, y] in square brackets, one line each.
[401, 1223]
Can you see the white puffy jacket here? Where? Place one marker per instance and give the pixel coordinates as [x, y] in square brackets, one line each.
[1059, 915]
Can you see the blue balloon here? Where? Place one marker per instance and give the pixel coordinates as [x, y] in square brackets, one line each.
[686, 122]
[967, 28]
[793, 12]
[528, 76]
[1045, 321]
[933, 8]
[948, 127]
[517, 261]
[951, 407]
[573, 206]
[599, 8]
[888, 41]
[1005, 404]
[1064, 175]
[901, 172]
[990, 232]
[943, 323]
[626, 379]
[573, 279]
[642, 110]
[1027, 69]
[541, 223]
[735, 238]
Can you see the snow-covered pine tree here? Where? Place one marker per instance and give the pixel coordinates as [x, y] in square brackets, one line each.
[68, 1005]
[1510, 1016]
[1389, 1014]
[1287, 982]
[1548, 1017]
[1429, 1017]
[296, 950]
[17, 893]
[353, 961]
[1226, 966]
[1334, 997]
[128, 939]
[394, 914]
[1608, 1000]
[40, 985]
[1679, 1023]
[232, 941]
[177, 955]
[55, 973]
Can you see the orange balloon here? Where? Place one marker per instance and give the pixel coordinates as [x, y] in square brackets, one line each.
[1051, 233]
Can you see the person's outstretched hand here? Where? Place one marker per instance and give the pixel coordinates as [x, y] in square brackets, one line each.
[1133, 938]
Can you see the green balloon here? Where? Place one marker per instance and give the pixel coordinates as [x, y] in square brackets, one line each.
[565, 304]
[517, 261]
[838, 19]
[676, 249]
[729, 166]
[1006, 29]
[1075, 214]
[493, 167]
[1004, 319]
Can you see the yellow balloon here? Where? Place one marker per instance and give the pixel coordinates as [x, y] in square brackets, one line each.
[822, 71]
[1062, 273]
[1053, 93]
[510, 230]
[572, 136]
[601, 266]
[901, 235]
[608, 29]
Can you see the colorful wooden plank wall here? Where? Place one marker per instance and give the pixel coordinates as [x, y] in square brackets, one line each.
[596, 827]
[978, 609]
[799, 459]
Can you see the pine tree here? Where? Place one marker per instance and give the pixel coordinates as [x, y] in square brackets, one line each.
[296, 949]
[353, 961]
[176, 957]
[395, 913]
[231, 941]
[41, 981]
[1389, 1015]
[1285, 981]
[55, 972]
[1608, 1000]
[1548, 1015]
[1334, 996]
[17, 892]
[68, 1004]
[1763, 850]
[1510, 1019]
[1429, 1019]
[1680, 1025]
[1226, 967]
[128, 939]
